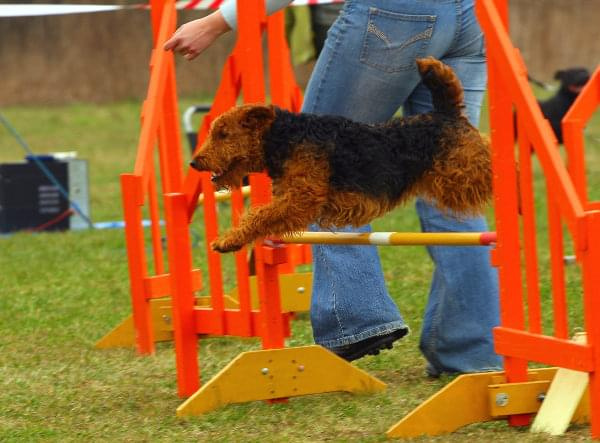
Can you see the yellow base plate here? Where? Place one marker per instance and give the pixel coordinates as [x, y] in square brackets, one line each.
[475, 398]
[279, 373]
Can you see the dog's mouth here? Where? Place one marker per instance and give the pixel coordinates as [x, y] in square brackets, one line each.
[226, 179]
[217, 180]
[228, 176]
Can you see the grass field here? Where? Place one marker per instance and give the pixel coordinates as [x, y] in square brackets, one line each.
[61, 292]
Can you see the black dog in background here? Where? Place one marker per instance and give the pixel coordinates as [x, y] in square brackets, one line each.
[554, 109]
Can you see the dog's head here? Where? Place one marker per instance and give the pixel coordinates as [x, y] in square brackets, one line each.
[234, 146]
[572, 79]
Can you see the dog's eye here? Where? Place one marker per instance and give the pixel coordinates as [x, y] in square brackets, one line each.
[220, 134]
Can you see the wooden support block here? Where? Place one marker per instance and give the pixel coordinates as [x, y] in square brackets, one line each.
[516, 398]
[274, 255]
[295, 290]
[123, 335]
[279, 373]
[562, 399]
[462, 402]
[473, 398]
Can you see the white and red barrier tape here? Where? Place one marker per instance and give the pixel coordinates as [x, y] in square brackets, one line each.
[30, 10]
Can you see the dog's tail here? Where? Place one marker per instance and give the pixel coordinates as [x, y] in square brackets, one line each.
[446, 89]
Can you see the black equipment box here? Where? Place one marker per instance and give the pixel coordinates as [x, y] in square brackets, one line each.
[28, 199]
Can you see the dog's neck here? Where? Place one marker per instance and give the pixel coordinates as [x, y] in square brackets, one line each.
[287, 130]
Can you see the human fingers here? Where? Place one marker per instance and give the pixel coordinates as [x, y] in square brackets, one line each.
[190, 55]
[172, 43]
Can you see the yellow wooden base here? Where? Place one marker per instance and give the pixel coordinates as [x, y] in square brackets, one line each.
[295, 292]
[474, 398]
[279, 373]
[123, 335]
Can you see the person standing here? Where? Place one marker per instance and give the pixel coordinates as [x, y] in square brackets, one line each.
[365, 72]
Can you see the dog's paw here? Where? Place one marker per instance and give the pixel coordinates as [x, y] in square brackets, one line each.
[223, 245]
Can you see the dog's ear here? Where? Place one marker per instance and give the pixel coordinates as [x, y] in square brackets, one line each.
[257, 116]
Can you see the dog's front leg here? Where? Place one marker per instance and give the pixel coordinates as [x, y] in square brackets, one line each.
[276, 218]
[299, 197]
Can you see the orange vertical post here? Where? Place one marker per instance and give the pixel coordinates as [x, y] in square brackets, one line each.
[155, 224]
[215, 271]
[170, 149]
[559, 297]
[506, 208]
[273, 325]
[242, 269]
[132, 195]
[591, 287]
[251, 20]
[180, 264]
[529, 237]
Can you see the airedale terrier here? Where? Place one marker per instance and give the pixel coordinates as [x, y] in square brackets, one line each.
[335, 172]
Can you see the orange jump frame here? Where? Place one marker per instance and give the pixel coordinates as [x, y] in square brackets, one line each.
[165, 305]
[517, 393]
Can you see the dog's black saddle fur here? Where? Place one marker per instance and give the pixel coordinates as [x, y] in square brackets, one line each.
[380, 159]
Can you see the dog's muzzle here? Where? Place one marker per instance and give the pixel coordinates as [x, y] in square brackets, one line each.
[199, 164]
[196, 166]
[199, 167]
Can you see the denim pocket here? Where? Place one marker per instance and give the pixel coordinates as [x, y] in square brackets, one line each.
[393, 41]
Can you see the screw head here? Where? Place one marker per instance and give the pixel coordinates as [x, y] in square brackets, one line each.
[501, 399]
[264, 371]
[300, 289]
[300, 368]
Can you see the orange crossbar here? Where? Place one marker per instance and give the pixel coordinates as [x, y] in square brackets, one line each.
[543, 349]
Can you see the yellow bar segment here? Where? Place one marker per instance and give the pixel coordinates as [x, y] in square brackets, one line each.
[225, 195]
[388, 238]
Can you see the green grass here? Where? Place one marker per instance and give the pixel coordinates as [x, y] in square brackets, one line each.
[61, 292]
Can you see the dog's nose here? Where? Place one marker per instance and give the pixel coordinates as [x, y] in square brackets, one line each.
[197, 165]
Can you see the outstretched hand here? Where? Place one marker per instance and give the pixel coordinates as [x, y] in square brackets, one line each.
[194, 37]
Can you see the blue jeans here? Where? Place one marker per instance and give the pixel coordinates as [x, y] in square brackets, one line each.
[366, 72]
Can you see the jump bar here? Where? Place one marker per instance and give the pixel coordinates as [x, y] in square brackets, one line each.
[394, 238]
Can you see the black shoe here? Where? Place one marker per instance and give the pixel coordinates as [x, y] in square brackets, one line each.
[369, 346]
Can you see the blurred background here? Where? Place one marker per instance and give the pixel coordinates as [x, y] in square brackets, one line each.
[103, 57]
